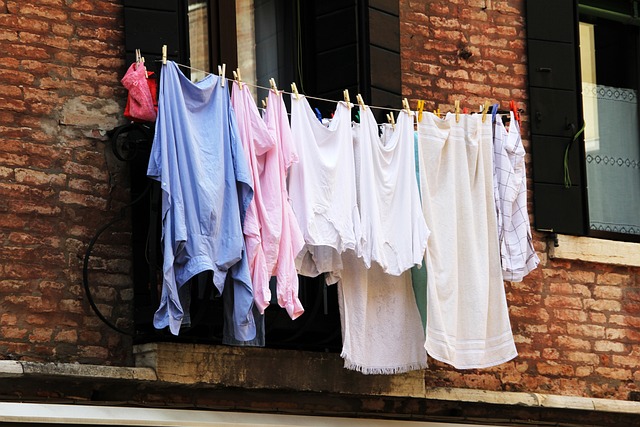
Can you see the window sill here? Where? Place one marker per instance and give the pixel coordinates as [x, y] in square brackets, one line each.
[596, 250]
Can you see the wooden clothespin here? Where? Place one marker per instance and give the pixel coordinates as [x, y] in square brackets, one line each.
[164, 54]
[485, 110]
[222, 72]
[391, 119]
[264, 103]
[405, 106]
[294, 89]
[274, 87]
[420, 109]
[346, 97]
[137, 55]
[361, 102]
[457, 106]
[237, 77]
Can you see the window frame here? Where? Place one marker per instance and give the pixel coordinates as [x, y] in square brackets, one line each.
[558, 147]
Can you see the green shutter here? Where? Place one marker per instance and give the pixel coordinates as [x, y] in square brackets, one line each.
[556, 116]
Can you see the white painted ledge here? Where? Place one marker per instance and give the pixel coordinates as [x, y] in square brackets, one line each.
[596, 250]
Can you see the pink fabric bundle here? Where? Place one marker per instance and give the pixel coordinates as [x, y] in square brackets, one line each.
[140, 106]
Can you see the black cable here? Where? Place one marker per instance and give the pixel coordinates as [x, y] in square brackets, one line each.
[87, 255]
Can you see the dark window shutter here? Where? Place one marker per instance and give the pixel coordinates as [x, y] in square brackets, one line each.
[556, 116]
[149, 24]
[352, 45]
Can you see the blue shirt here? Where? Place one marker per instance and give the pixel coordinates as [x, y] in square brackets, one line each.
[206, 186]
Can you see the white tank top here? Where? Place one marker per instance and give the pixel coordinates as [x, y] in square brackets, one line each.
[322, 188]
[394, 231]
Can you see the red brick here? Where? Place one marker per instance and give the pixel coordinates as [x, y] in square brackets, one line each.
[607, 292]
[613, 279]
[584, 330]
[68, 336]
[552, 369]
[11, 332]
[602, 305]
[570, 343]
[581, 357]
[609, 347]
[560, 301]
[8, 319]
[615, 373]
[34, 177]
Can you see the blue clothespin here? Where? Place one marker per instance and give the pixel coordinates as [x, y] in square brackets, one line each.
[494, 112]
[318, 114]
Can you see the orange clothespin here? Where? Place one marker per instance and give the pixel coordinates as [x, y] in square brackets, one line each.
[516, 113]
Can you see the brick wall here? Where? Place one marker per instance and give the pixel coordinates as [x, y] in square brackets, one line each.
[576, 324]
[60, 67]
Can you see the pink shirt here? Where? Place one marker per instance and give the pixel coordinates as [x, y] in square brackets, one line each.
[263, 223]
[291, 239]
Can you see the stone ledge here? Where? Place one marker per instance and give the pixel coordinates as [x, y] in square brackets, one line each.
[261, 368]
[596, 250]
[12, 368]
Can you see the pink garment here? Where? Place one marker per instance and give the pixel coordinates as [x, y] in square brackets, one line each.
[291, 239]
[140, 101]
[262, 224]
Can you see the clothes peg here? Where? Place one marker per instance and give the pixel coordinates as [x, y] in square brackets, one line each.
[516, 113]
[222, 72]
[138, 55]
[361, 102]
[346, 97]
[264, 103]
[237, 77]
[420, 108]
[405, 106]
[164, 54]
[457, 104]
[294, 89]
[391, 120]
[274, 87]
[485, 110]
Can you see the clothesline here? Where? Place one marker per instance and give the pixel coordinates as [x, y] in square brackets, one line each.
[284, 91]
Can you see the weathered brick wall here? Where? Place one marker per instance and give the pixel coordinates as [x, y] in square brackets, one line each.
[60, 65]
[576, 324]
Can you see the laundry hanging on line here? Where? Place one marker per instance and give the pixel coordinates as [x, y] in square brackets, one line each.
[356, 242]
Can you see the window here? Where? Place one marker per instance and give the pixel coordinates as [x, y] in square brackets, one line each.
[325, 47]
[609, 68]
[583, 83]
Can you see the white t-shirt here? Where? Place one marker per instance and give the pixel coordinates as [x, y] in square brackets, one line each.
[322, 189]
[394, 231]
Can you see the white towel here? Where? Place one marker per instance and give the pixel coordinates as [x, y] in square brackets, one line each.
[467, 315]
[381, 326]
